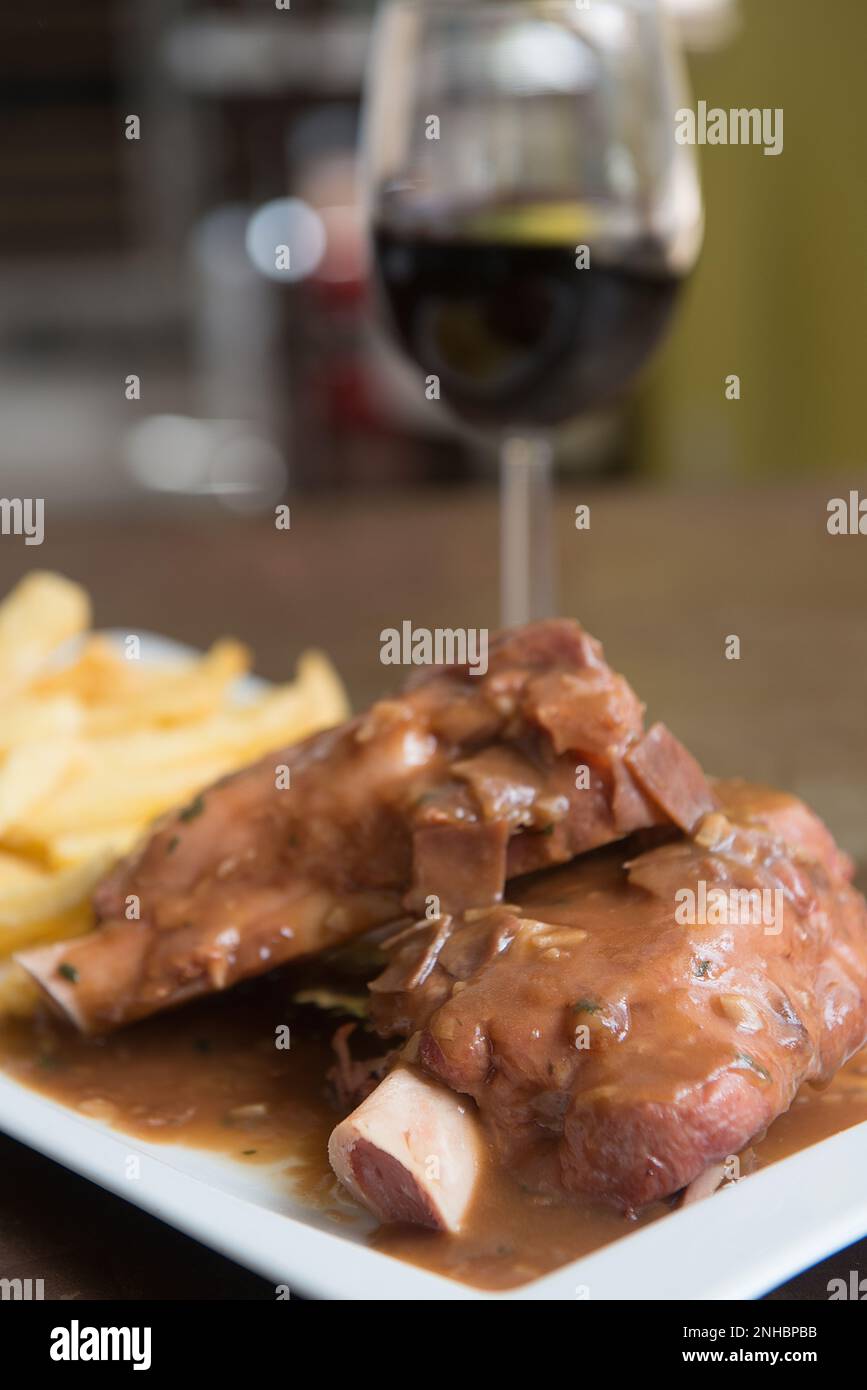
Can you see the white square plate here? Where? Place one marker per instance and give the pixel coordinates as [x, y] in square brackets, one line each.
[740, 1243]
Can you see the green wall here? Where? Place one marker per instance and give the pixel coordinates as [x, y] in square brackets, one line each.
[780, 294]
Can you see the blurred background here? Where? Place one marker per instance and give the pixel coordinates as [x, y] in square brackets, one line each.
[150, 257]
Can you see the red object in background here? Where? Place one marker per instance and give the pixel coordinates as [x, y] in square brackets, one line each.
[345, 393]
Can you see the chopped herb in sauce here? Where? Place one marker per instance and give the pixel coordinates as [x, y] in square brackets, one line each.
[701, 968]
[743, 1059]
[173, 844]
[586, 1006]
[194, 809]
[245, 1152]
[68, 971]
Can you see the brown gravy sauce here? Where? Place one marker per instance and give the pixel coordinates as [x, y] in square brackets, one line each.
[211, 1076]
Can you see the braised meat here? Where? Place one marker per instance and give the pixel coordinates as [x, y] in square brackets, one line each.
[626, 1022]
[450, 789]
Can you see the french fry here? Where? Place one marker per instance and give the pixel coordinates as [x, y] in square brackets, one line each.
[65, 851]
[42, 612]
[32, 720]
[323, 688]
[94, 748]
[104, 796]
[135, 776]
[96, 673]
[19, 993]
[31, 901]
[31, 773]
[195, 691]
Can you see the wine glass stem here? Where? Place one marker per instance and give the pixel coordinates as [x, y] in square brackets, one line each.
[526, 549]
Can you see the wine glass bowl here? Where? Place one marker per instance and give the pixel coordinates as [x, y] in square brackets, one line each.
[532, 214]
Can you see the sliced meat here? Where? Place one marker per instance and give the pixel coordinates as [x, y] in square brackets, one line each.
[671, 777]
[458, 864]
[613, 1045]
[412, 1151]
[446, 791]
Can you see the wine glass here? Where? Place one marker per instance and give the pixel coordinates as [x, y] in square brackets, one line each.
[532, 216]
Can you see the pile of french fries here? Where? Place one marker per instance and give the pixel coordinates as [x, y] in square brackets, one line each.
[95, 743]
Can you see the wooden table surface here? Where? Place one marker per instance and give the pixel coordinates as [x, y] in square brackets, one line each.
[664, 580]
